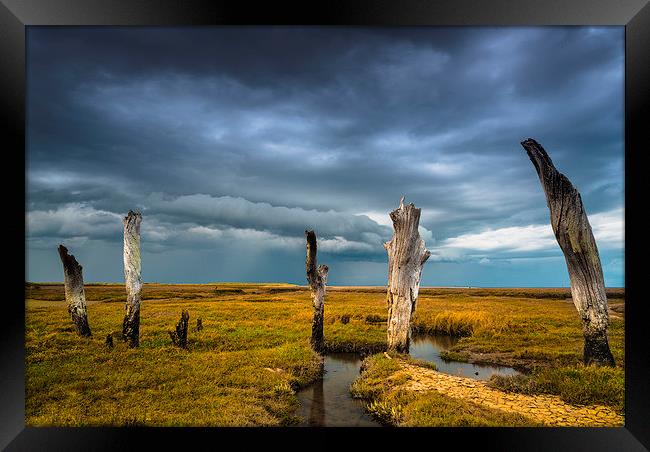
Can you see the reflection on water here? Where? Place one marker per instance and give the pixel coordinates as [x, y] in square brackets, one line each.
[327, 403]
[428, 348]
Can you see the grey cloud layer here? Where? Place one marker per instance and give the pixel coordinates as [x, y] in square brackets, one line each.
[207, 222]
[241, 213]
[280, 129]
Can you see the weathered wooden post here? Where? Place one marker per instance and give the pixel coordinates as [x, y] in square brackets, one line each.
[132, 278]
[74, 291]
[406, 256]
[317, 277]
[574, 235]
[179, 337]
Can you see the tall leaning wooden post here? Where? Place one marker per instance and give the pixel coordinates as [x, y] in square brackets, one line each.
[574, 235]
[406, 256]
[317, 278]
[132, 278]
[74, 291]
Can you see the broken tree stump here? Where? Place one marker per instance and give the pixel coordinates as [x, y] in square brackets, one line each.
[317, 278]
[406, 256]
[573, 233]
[179, 337]
[132, 278]
[109, 340]
[74, 292]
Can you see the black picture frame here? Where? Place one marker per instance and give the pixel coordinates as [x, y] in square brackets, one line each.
[16, 15]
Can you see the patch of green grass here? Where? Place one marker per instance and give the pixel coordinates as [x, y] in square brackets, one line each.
[448, 355]
[376, 370]
[373, 318]
[581, 385]
[453, 323]
[385, 412]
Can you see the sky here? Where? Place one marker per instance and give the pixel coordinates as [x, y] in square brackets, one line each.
[232, 141]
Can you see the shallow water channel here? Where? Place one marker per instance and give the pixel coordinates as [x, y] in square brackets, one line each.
[327, 402]
[428, 348]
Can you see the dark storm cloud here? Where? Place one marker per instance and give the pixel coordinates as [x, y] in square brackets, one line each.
[215, 131]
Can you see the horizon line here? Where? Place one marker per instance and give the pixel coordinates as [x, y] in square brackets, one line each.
[305, 285]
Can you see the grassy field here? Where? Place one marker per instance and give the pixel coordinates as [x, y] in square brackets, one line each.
[253, 353]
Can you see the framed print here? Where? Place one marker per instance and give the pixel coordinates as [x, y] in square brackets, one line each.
[363, 215]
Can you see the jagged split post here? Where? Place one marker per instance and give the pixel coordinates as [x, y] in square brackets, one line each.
[74, 291]
[179, 337]
[406, 256]
[132, 278]
[317, 278]
[574, 235]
